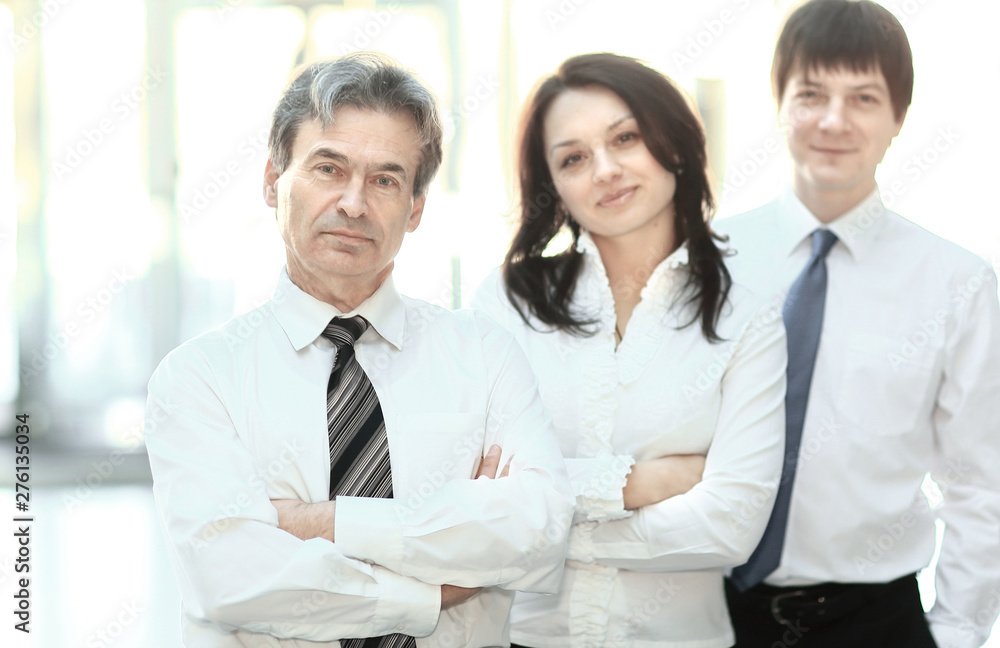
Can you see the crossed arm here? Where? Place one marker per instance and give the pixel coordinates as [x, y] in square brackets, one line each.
[306, 521]
[654, 480]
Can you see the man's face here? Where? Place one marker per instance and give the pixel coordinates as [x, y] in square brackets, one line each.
[346, 199]
[838, 125]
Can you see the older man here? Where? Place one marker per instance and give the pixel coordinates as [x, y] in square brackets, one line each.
[313, 461]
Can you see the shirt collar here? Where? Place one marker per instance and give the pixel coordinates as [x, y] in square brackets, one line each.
[676, 259]
[303, 317]
[857, 228]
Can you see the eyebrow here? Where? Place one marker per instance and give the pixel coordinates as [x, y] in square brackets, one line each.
[863, 86]
[615, 124]
[335, 156]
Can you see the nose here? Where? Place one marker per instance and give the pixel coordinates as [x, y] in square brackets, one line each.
[834, 117]
[606, 167]
[352, 202]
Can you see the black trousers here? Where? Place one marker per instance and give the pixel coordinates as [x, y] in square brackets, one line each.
[830, 616]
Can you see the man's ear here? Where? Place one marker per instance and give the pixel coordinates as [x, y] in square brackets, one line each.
[417, 213]
[271, 176]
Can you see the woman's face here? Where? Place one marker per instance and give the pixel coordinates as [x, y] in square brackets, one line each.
[606, 177]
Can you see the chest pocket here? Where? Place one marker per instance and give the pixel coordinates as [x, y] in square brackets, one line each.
[431, 449]
[889, 384]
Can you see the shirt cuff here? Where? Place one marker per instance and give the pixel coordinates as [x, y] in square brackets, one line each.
[948, 636]
[413, 606]
[581, 543]
[598, 483]
[368, 528]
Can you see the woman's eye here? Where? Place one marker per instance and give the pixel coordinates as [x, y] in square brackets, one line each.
[570, 160]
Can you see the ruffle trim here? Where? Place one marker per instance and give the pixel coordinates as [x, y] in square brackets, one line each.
[599, 492]
[589, 604]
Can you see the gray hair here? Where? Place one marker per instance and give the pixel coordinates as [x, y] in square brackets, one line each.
[364, 80]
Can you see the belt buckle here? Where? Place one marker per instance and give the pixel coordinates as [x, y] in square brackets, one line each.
[776, 606]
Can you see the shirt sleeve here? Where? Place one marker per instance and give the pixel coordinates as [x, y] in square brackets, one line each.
[235, 567]
[966, 468]
[510, 531]
[597, 481]
[719, 522]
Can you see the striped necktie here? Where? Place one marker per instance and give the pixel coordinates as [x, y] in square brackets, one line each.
[803, 318]
[359, 450]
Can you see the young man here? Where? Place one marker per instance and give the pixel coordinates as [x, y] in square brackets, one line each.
[893, 370]
[313, 460]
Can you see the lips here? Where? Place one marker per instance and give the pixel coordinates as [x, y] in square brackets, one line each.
[617, 197]
[832, 151]
[348, 236]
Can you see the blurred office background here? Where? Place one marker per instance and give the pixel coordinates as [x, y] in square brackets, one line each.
[132, 144]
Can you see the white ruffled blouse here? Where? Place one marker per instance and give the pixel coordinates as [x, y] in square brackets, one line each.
[653, 576]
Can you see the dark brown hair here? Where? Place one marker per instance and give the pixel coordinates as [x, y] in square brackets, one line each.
[543, 285]
[856, 35]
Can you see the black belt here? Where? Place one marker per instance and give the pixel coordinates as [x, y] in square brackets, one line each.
[818, 605]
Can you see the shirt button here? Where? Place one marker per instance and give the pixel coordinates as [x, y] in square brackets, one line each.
[400, 627]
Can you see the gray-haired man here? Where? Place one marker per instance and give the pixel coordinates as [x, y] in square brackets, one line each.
[290, 523]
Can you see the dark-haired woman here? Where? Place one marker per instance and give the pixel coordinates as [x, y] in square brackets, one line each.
[664, 378]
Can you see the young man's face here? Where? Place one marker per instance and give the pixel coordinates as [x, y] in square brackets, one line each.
[838, 125]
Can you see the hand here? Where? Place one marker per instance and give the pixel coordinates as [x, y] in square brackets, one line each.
[306, 521]
[452, 595]
[491, 461]
[654, 480]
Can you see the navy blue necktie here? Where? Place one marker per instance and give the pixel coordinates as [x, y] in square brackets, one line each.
[803, 317]
[359, 449]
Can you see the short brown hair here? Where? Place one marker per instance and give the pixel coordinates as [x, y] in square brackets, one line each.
[857, 35]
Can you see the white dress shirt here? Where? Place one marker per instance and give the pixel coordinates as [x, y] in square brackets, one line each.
[653, 577]
[907, 381]
[237, 417]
